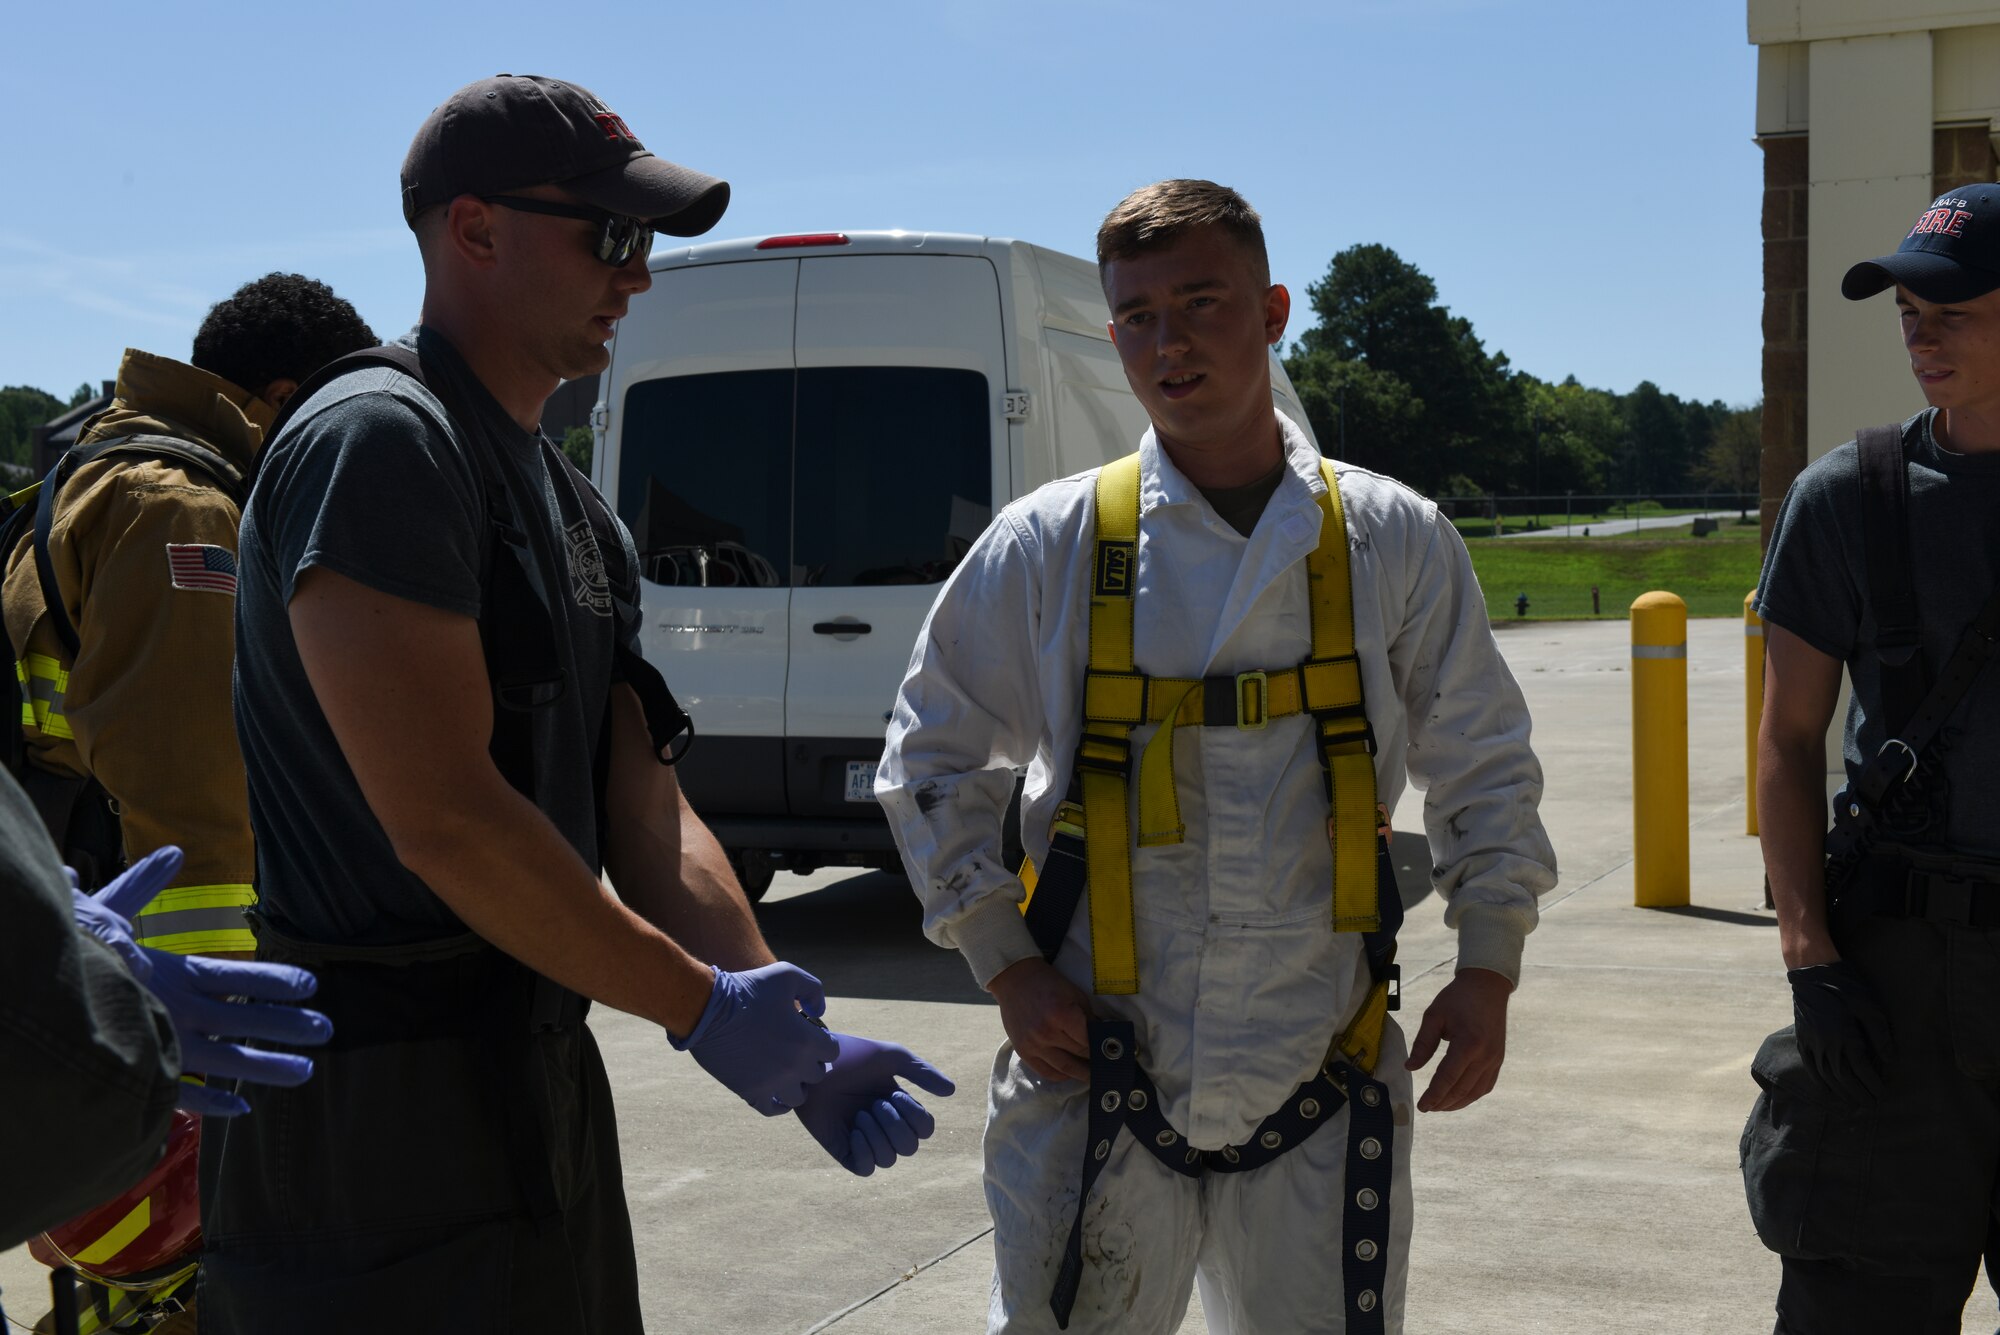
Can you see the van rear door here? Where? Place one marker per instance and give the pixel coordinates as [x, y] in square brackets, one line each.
[702, 476]
[901, 385]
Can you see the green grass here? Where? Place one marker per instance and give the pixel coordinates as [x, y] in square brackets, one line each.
[1710, 574]
[1727, 531]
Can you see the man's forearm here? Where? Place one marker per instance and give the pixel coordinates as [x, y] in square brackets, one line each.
[685, 888]
[513, 879]
[1791, 818]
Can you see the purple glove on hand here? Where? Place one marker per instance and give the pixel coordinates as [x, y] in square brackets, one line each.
[860, 1115]
[755, 1037]
[107, 915]
[210, 1002]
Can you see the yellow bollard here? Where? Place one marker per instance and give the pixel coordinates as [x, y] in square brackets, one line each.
[1659, 751]
[1753, 704]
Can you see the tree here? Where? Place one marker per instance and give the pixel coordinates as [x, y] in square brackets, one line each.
[1455, 408]
[1735, 451]
[1360, 414]
[22, 409]
[1580, 433]
[577, 443]
[82, 394]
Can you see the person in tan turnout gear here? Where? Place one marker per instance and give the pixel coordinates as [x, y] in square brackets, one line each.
[130, 740]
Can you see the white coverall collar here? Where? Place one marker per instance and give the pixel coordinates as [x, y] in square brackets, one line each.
[1161, 483]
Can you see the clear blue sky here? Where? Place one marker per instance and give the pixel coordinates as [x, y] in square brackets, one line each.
[1578, 177]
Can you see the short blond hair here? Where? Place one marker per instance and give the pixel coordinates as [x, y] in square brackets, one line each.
[1154, 217]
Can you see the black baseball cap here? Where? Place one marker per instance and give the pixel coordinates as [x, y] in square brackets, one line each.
[518, 130]
[1952, 254]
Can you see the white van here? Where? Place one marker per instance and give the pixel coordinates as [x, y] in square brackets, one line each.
[805, 434]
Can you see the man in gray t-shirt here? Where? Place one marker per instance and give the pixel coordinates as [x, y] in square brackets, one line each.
[449, 734]
[1872, 1157]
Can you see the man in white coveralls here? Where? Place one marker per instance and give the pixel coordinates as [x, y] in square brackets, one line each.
[1200, 1080]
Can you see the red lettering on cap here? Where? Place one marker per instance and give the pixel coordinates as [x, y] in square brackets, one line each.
[613, 125]
[1956, 227]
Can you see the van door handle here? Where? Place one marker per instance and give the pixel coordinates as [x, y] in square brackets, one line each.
[841, 628]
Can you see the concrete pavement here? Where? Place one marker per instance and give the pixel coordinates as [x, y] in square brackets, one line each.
[1607, 525]
[1595, 1191]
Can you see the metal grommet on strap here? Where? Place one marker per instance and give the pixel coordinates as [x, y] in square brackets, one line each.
[1136, 1100]
[1366, 1250]
[1110, 1101]
[1270, 1140]
[1365, 1300]
[1165, 1138]
[1103, 1148]
[1112, 1049]
[1371, 1148]
[1309, 1108]
[1371, 1096]
[1367, 1198]
[1193, 1155]
[1229, 1153]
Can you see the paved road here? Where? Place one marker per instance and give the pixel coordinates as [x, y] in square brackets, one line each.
[1595, 1192]
[1611, 524]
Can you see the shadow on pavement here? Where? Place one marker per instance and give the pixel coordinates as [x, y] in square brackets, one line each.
[1719, 915]
[863, 937]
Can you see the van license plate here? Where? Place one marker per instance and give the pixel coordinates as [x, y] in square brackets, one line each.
[861, 781]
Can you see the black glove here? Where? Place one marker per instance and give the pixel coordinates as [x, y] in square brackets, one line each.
[1843, 1031]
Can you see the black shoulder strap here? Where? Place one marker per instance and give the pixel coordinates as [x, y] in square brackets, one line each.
[393, 355]
[226, 475]
[671, 728]
[1892, 594]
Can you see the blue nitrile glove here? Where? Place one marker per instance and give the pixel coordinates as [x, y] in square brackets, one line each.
[212, 1001]
[860, 1115]
[753, 1037]
[107, 915]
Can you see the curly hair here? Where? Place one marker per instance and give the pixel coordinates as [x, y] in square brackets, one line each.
[1154, 217]
[283, 326]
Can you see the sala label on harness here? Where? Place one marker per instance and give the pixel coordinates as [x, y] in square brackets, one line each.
[1114, 568]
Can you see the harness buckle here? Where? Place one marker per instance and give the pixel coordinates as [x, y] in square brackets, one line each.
[1948, 898]
[1329, 738]
[1069, 821]
[1252, 686]
[1897, 741]
[1105, 754]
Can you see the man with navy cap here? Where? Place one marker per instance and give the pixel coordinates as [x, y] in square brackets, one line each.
[450, 733]
[1872, 1157]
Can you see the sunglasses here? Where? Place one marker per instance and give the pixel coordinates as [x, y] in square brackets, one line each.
[619, 238]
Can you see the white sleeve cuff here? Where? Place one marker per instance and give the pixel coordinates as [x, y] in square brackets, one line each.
[993, 936]
[1490, 936]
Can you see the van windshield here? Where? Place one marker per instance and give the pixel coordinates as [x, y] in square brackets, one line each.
[827, 477]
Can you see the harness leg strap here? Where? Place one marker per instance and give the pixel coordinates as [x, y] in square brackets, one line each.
[1112, 1065]
[1364, 1225]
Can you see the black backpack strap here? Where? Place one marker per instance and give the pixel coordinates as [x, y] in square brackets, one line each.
[671, 728]
[1892, 593]
[392, 355]
[225, 474]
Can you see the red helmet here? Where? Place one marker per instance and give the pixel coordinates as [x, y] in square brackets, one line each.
[144, 1235]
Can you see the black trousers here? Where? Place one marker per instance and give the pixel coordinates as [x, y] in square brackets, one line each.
[1883, 1211]
[462, 1176]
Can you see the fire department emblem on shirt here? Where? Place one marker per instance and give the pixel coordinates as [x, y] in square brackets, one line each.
[586, 569]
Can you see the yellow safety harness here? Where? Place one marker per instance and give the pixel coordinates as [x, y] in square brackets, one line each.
[1118, 697]
[1091, 842]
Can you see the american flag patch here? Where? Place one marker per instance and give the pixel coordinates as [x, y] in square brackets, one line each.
[202, 566]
